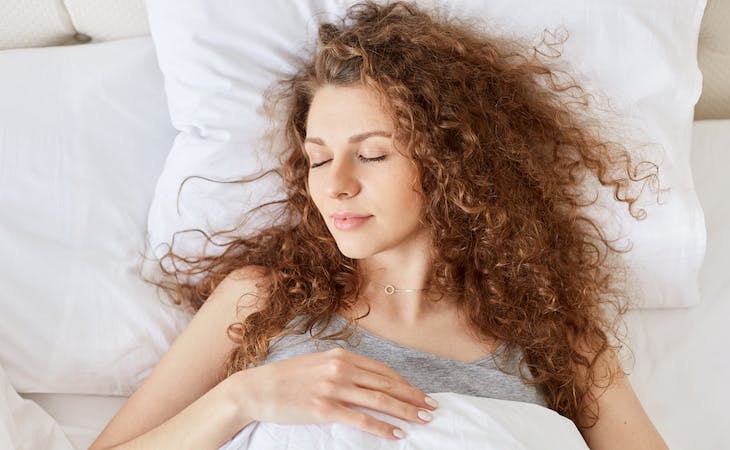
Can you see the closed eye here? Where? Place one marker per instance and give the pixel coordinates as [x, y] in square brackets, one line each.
[366, 160]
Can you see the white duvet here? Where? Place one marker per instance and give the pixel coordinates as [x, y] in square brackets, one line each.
[461, 422]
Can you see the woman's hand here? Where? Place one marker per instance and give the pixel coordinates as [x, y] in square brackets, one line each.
[319, 388]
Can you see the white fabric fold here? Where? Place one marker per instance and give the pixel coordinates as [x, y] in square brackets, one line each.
[461, 422]
[24, 424]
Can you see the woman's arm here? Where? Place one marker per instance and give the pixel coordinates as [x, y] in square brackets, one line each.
[622, 422]
[207, 423]
[184, 403]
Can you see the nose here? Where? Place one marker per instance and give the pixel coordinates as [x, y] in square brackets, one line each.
[341, 180]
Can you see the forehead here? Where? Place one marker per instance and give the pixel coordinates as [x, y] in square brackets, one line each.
[337, 112]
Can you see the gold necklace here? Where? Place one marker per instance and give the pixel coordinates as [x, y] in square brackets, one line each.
[390, 289]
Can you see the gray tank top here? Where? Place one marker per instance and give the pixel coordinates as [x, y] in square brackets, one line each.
[426, 371]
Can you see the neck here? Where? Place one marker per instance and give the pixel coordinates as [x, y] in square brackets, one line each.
[406, 268]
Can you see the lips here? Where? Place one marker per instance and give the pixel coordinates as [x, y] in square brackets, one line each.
[349, 221]
[348, 215]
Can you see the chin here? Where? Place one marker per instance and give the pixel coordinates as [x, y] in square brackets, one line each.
[354, 251]
[354, 254]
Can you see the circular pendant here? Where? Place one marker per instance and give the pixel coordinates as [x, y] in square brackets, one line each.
[389, 289]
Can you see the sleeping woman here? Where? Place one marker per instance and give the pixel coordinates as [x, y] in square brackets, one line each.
[433, 239]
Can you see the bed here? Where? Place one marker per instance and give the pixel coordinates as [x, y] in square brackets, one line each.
[87, 124]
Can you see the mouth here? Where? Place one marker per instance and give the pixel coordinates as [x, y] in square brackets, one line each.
[347, 215]
[349, 222]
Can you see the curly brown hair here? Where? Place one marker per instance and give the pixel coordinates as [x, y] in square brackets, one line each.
[503, 149]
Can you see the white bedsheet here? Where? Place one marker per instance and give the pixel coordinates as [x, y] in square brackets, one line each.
[682, 368]
[24, 424]
[462, 422]
[80, 416]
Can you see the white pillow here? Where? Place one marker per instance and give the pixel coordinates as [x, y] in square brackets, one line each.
[84, 131]
[218, 57]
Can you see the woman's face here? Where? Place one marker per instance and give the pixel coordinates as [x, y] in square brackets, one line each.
[364, 188]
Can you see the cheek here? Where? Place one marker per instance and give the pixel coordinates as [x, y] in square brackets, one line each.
[313, 191]
[402, 199]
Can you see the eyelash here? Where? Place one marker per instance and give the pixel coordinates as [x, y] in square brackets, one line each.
[379, 158]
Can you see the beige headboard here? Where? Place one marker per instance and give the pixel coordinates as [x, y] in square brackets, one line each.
[41, 23]
[714, 58]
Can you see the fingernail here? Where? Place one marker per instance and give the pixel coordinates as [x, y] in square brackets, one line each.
[432, 402]
[425, 415]
[399, 433]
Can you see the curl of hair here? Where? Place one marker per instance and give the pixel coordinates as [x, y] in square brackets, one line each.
[503, 149]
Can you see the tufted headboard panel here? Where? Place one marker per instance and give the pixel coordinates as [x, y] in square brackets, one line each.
[714, 58]
[42, 23]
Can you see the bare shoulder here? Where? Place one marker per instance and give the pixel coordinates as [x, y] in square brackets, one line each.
[243, 288]
[252, 278]
[255, 277]
[249, 273]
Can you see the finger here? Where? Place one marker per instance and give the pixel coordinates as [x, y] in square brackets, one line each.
[380, 401]
[388, 379]
[402, 391]
[364, 421]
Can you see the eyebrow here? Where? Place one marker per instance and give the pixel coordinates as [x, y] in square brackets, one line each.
[355, 138]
